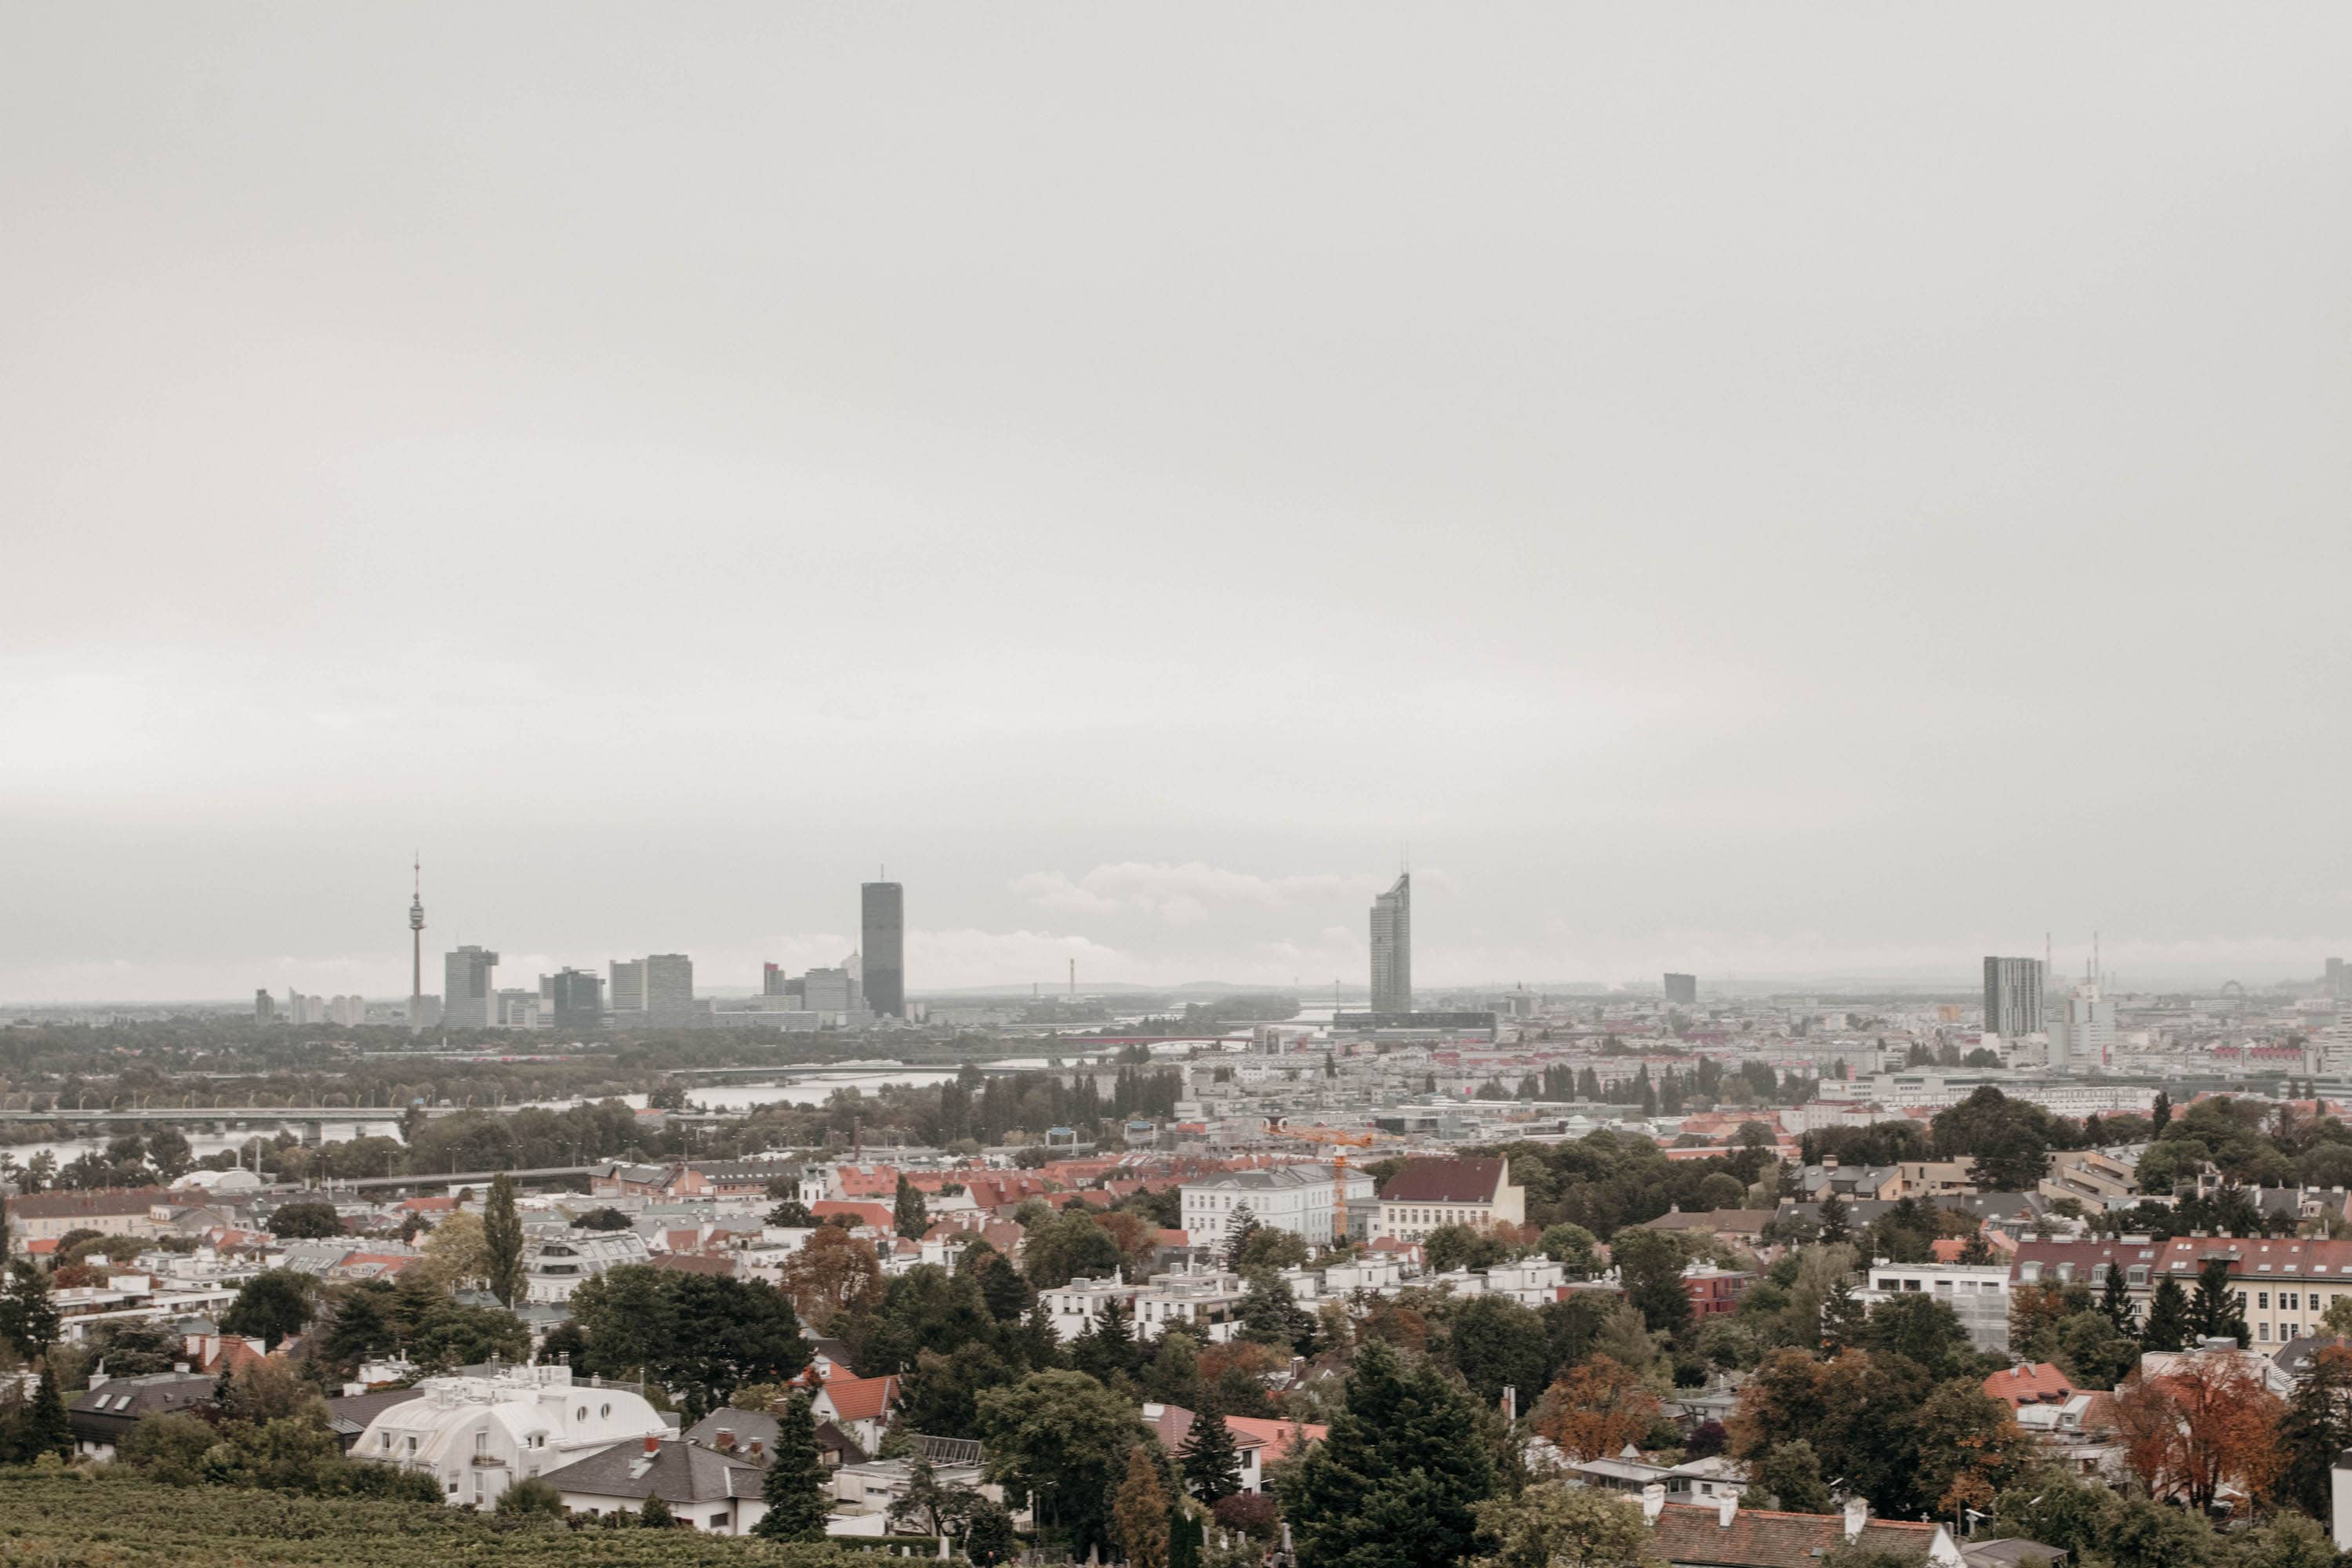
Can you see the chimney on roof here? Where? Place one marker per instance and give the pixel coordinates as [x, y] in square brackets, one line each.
[1857, 1514]
[726, 1441]
[757, 1457]
[1654, 1502]
[653, 1445]
[1726, 1509]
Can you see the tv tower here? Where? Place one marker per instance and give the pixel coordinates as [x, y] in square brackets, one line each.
[416, 943]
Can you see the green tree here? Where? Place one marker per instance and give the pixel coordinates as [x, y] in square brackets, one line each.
[1836, 1227]
[1062, 1436]
[1556, 1525]
[1452, 1247]
[1845, 1318]
[2091, 1351]
[1923, 1328]
[28, 1314]
[1396, 1482]
[2167, 1325]
[305, 1220]
[1790, 1477]
[608, 1219]
[701, 1336]
[531, 1498]
[2115, 1303]
[502, 1241]
[793, 1488]
[1240, 1225]
[1496, 1343]
[1573, 1249]
[988, 1539]
[1269, 1248]
[1186, 1538]
[656, 1514]
[47, 1430]
[1069, 1247]
[1650, 1265]
[910, 1216]
[2316, 1429]
[1207, 1459]
[271, 1306]
[2213, 1310]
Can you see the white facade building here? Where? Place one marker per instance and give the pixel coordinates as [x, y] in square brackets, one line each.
[558, 1263]
[1293, 1198]
[478, 1436]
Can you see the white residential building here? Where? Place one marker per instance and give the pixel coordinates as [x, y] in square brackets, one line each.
[478, 1436]
[1976, 1293]
[1295, 1198]
[557, 1263]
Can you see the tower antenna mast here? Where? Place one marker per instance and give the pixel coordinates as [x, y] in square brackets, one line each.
[416, 942]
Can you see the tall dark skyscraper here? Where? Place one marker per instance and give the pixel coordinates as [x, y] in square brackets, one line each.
[576, 996]
[1682, 990]
[1392, 949]
[2012, 998]
[883, 945]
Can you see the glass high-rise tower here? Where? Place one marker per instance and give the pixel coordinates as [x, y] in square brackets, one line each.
[1393, 948]
[882, 944]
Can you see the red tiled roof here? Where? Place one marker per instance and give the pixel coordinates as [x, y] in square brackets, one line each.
[860, 1398]
[2033, 1383]
[875, 1215]
[1276, 1437]
[693, 1263]
[1467, 1180]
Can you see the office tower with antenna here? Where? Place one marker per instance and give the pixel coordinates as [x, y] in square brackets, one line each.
[1393, 948]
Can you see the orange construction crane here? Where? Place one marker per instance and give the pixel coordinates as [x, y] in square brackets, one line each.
[1275, 1127]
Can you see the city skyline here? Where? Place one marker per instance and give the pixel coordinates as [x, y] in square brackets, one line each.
[1690, 493]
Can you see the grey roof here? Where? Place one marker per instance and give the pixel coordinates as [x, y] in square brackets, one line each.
[2294, 1356]
[749, 1426]
[108, 1413]
[350, 1414]
[678, 1472]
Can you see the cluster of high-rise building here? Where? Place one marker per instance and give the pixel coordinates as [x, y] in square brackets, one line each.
[348, 1011]
[654, 992]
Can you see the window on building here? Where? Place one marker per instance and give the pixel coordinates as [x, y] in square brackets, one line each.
[2262, 1300]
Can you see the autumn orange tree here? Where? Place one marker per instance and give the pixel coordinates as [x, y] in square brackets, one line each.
[1595, 1408]
[2205, 1422]
[833, 1271]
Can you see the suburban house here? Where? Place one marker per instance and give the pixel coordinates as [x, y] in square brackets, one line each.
[1428, 1194]
[751, 1434]
[861, 1406]
[705, 1489]
[101, 1418]
[1257, 1442]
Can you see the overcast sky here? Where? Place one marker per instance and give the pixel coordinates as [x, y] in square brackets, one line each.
[1768, 491]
